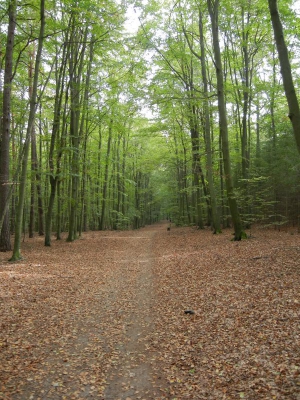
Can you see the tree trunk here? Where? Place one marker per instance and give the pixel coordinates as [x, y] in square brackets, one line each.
[39, 191]
[257, 151]
[33, 153]
[18, 227]
[84, 127]
[246, 90]
[286, 72]
[76, 64]
[98, 182]
[5, 126]
[236, 220]
[35, 189]
[54, 168]
[105, 183]
[188, 76]
[209, 163]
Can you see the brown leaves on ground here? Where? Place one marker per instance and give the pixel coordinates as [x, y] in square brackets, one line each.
[104, 317]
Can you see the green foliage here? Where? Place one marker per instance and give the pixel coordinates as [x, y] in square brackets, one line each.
[144, 98]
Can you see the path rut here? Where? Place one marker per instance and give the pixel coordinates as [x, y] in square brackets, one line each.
[131, 374]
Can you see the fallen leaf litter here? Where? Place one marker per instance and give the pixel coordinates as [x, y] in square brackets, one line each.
[105, 317]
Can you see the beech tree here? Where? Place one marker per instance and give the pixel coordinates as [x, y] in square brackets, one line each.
[201, 56]
[289, 88]
[213, 8]
[58, 132]
[32, 111]
[5, 131]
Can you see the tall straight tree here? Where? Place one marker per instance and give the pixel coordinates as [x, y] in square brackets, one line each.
[32, 111]
[286, 71]
[76, 69]
[105, 182]
[83, 132]
[193, 120]
[5, 126]
[213, 7]
[59, 115]
[206, 117]
[35, 173]
[207, 132]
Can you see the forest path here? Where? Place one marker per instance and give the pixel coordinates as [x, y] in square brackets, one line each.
[132, 295]
[83, 325]
[104, 317]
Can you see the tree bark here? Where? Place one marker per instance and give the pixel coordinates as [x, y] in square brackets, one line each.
[246, 90]
[209, 163]
[105, 183]
[19, 217]
[76, 65]
[286, 71]
[54, 168]
[236, 220]
[84, 128]
[5, 126]
[33, 153]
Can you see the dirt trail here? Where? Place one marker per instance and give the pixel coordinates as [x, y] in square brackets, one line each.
[131, 374]
[78, 319]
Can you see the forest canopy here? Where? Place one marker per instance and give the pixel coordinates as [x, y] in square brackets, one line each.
[189, 115]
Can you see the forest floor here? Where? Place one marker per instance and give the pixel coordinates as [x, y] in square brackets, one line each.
[104, 317]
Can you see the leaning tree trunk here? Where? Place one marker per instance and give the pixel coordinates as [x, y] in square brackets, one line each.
[286, 71]
[33, 100]
[236, 220]
[5, 244]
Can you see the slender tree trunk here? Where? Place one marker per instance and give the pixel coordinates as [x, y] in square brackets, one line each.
[272, 105]
[184, 199]
[286, 71]
[19, 217]
[105, 183]
[208, 148]
[119, 177]
[83, 196]
[236, 220]
[246, 89]
[137, 197]
[33, 153]
[39, 193]
[123, 188]
[257, 152]
[179, 175]
[188, 77]
[54, 167]
[84, 127]
[59, 212]
[225, 222]
[35, 185]
[76, 63]
[196, 171]
[5, 126]
[98, 183]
